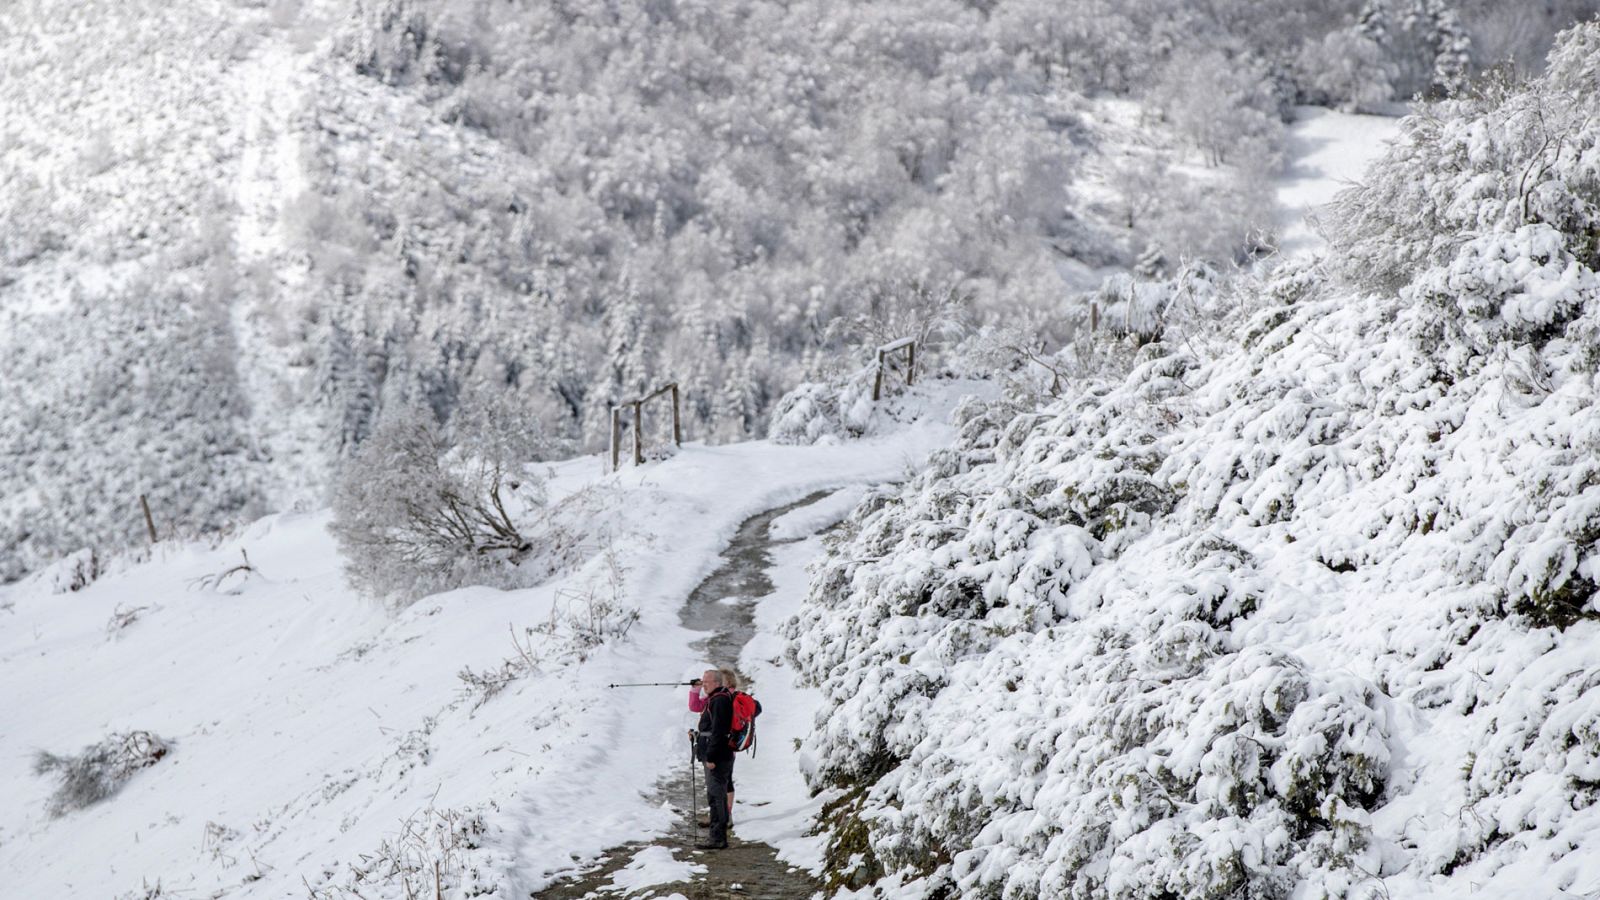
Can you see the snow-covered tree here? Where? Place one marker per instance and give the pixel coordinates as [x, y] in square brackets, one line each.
[414, 515]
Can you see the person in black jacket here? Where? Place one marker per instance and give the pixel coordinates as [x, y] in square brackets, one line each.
[711, 747]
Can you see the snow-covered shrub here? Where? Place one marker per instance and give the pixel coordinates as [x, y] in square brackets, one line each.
[100, 769]
[435, 851]
[1026, 358]
[1135, 308]
[582, 618]
[413, 518]
[122, 617]
[818, 412]
[1478, 169]
[1302, 604]
[591, 613]
[76, 572]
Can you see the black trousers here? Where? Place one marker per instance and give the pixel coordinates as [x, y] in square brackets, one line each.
[718, 782]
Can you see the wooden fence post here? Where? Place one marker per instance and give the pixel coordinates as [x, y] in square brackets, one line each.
[638, 433]
[1094, 316]
[907, 344]
[149, 522]
[677, 431]
[638, 424]
[616, 436]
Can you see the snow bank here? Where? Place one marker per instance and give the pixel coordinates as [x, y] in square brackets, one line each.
[814, 517]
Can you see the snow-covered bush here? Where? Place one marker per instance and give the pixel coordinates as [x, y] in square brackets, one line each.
[1302, 604]
[412, 517]
[100, 770]
[835, 409]
[435, 850]
[1508, 157]
[1138, 308]
[76, 572]
[582, 618]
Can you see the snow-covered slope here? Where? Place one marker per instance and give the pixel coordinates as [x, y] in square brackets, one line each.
[321, 209]
[306, 725]
[1303, 606]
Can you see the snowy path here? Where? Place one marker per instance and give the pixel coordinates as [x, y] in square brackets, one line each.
[600, 791]
[274, 86]
[723, 605]
[1327, 151]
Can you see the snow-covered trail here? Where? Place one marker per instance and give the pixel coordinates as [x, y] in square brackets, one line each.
[1326, 152]
[600, 791]
[723, 608]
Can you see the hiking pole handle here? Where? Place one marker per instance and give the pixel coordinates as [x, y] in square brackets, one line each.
[656, 684]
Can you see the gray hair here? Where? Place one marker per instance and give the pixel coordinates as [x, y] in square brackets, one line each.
[730, 679]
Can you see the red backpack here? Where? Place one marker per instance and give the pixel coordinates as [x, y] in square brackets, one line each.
[745, 710]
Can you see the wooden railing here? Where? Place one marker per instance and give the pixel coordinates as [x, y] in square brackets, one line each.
[638, 424]
[907, 344]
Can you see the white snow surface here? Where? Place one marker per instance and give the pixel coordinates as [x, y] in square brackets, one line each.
[1326, 151]
[652, 866]
[816, 516]
[307, 725]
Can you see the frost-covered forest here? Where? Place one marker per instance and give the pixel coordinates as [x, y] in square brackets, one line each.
[236, 234]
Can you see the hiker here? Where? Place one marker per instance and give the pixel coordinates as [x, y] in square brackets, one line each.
[697, 703]
[711, 745]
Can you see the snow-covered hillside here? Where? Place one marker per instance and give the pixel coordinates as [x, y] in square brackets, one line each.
[1276, 583]
[1303, 606]
[305, 724]
[236, 233]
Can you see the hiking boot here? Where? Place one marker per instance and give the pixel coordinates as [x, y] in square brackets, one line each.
[711, 845]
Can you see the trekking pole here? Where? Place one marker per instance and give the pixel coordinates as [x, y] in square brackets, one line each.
[694, 792]
[657, 684]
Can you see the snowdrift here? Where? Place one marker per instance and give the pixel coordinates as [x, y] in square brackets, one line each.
[1305, 611]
